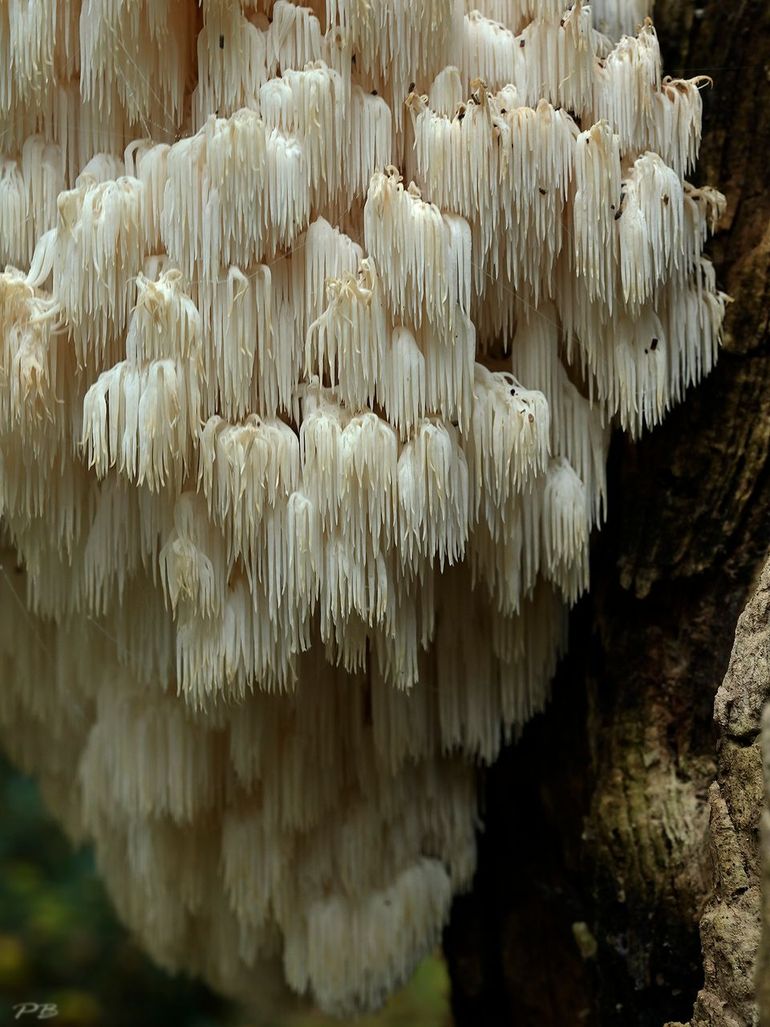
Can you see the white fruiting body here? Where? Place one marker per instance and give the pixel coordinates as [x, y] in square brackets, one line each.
[300, 453]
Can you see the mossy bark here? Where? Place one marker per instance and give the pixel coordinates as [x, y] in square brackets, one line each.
[618, 870]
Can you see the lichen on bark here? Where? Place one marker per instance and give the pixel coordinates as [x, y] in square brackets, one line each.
[730, 926]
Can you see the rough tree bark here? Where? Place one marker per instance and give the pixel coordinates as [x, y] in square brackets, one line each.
[618, 876]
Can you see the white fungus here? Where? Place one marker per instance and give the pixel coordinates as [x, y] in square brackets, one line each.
[307, 374]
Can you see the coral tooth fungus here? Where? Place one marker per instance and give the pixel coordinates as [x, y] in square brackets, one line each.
[313, 327]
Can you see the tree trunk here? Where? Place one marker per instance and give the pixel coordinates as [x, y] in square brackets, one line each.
[626, 818]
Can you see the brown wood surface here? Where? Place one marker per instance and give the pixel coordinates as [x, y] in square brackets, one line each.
[627, 814]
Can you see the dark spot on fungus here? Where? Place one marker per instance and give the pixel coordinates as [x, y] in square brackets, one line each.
[619, 214]
[521, 44]
[542, 191]
[531, 418]
[221, 42]
[411, 87]
[665, 201]
[612, 206]
[374, 92]
[503, 110]
[654, 345]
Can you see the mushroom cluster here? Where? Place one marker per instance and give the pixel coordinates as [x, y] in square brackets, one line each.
[313, 326]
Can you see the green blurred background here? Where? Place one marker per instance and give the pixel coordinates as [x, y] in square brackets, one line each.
[61, 944]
